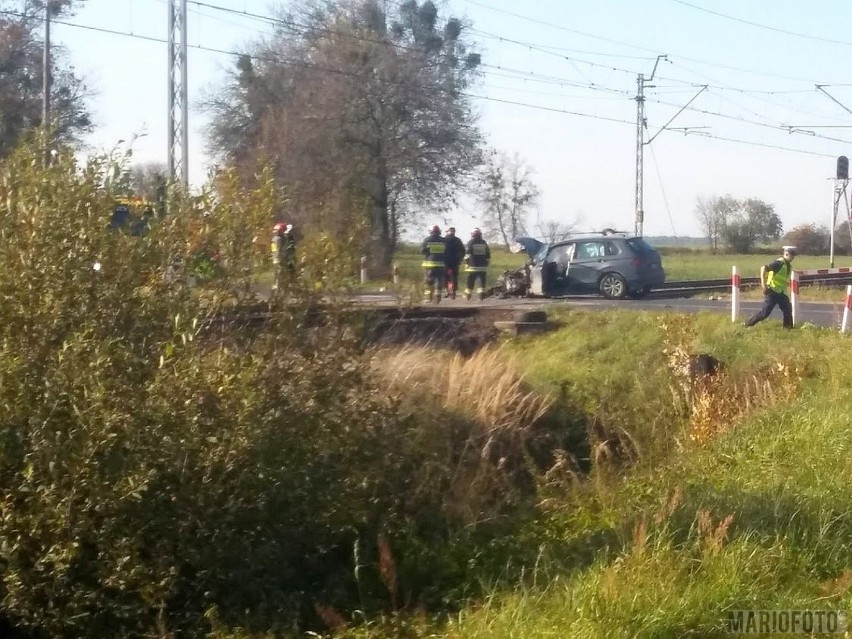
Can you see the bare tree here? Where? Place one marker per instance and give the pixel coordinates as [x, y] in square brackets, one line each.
[551, 231]
[363, 111]
[713, 214]
[507, 196]
[147, 179]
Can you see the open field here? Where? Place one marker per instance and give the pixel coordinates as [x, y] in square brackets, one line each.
[700, 266]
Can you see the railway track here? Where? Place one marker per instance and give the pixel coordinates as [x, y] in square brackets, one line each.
[685, 286]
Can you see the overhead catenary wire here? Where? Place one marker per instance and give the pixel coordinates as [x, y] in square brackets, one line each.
[294, 25]
[766, 27]
[637, 47]
[272, 20]
[589, 84]
[663, 189]
[303, 64]
[779, 127]
[299, 63]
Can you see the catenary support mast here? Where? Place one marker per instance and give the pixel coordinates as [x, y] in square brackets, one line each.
[178, 118]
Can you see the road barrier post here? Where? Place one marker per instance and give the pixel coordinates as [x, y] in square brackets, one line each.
[395, 273]
[363, 269]
[735, 294]
[844, 326]
[794, 295]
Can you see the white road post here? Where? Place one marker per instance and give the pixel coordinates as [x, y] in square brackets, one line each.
[844, 326]
[363, 269]
[735, 294]
[794, 295]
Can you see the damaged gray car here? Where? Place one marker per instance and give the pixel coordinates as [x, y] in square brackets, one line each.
[611, 263]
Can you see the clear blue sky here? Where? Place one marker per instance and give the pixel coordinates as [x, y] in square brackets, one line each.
[580, 57]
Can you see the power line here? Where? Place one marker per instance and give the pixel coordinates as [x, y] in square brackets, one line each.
[551, 109]
[562, 56]
[759, 144]
[557, 50]
[633, 46]
[545, 79]
[663, 189]
[777, 127]
[290, 24]
[560, 27]
[295, 26]
[323, 69]
[302, 64]
[764, 26]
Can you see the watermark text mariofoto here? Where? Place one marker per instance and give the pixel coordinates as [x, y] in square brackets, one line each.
[786, 621]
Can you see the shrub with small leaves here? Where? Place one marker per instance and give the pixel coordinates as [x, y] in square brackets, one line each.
[168, 466]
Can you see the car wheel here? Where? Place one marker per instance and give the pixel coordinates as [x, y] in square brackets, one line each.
[613, 286]
[639, 293]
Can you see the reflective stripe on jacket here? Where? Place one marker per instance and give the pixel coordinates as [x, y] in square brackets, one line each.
[478, 256]
[434, 252]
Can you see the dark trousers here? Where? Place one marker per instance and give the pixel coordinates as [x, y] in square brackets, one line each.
[769, 302]
[472, 277]
[435, 277]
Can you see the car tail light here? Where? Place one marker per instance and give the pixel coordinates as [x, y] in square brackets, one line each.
[635, 261]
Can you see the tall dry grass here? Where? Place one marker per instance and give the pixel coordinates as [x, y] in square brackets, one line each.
[719, 404]
[486, 387]
[480, 427]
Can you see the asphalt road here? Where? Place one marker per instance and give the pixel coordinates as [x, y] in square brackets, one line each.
[820, 313]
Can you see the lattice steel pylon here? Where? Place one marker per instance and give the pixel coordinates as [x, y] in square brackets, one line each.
[178, 129]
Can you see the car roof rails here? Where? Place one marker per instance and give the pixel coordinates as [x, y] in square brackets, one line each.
[606, 231]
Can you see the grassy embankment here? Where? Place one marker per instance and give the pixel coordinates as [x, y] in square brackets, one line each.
[741, 502]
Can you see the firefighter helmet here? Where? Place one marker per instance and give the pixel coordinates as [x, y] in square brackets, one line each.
[476, 233]
[280, 227]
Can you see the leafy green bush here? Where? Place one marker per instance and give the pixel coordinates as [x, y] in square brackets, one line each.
[170, 466]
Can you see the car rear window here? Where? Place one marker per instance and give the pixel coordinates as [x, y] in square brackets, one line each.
[639, 245]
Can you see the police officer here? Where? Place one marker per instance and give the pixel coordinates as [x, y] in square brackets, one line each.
[434, 250]
[478, 258]
[775, 278]
[283, 249]
[455, 255]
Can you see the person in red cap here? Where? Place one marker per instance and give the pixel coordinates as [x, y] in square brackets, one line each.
[434, 250]
[283, 252]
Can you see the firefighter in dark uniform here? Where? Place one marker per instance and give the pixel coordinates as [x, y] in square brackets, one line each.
[455, 255]
[478, 258]
[434, 250]
[283, 249]
[775, 278]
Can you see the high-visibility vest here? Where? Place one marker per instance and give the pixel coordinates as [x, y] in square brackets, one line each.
[478, 256]
[777, 280]
[435, 257]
